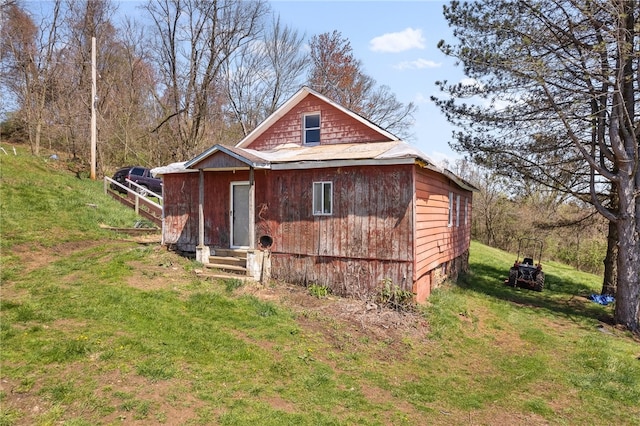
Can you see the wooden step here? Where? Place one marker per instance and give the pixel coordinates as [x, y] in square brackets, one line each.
[237, 253]
[226, 267]
[217, 274]
[228, 260]
[234, 261]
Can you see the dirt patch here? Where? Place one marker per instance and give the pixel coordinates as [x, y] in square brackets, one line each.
[132, 396]
[33, 256]
[348, 323]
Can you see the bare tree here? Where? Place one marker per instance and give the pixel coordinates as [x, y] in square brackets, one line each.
[83, 21]
[28, 57]
[263, 74]
[337, 74]
[194, 39]
[126, 101]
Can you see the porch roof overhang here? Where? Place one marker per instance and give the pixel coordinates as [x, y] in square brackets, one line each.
[221, 157]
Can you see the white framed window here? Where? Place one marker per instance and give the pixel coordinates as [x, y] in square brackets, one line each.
[450, 222]
[322, 198]
[466, 211]
[311, 128]
[457, 210]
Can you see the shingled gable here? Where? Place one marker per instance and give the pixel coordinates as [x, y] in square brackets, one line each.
[294, 101]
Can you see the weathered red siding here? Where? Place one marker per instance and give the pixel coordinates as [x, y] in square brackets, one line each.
[180, 193]
[335, 127]
[436, 242]
[181, 208]
[368, 237]
[366, 240]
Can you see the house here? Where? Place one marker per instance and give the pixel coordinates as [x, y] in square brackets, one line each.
[318, 194]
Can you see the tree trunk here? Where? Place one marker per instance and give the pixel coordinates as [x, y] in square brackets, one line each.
[627, 309]
[38, 133]
[610, 278]
[610, 262]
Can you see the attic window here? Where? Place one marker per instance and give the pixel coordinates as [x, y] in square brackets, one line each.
[311, 125]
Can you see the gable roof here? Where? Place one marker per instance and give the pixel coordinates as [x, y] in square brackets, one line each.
[295, 100]
[295, 157]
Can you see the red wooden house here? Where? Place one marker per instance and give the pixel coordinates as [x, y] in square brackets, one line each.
[318, 194]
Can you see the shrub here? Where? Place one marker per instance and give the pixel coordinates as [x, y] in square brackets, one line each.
[393, 297]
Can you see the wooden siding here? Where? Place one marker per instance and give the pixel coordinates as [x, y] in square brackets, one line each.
[181, 208]
[359, 278]
[220, 160]
[180, 194]
[436, 242]
[368, 237]
[371, 219]
[335, 127]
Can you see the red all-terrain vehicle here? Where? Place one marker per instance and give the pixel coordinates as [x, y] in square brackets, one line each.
[525, 273]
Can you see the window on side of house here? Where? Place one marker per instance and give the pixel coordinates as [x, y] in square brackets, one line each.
[466, 211]
[457, 210]
[450, 223]
[311, 127]
[322, 198]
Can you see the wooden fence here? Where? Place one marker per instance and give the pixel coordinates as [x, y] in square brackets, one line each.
[137, 198]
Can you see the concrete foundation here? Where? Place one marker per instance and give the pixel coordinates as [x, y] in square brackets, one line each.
[202, 254]
[259, 265]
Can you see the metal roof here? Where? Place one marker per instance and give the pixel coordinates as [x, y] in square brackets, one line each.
[347, 151]
[294, 157]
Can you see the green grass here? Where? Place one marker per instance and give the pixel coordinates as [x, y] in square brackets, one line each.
[96, 329]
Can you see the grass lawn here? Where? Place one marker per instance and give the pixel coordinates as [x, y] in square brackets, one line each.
[101, 328]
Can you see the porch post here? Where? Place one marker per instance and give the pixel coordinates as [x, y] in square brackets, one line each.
[252, 210]
[202, 251]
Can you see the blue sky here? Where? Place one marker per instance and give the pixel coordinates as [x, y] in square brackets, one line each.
[396, 42]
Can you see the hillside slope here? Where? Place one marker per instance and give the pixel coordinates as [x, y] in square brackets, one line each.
[98, 328]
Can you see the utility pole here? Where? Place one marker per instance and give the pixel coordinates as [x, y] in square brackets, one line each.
[93, 108]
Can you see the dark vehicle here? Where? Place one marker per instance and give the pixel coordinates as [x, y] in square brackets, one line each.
[140, 175]
[525, 273]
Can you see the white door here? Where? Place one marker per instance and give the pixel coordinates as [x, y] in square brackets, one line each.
[239, 214]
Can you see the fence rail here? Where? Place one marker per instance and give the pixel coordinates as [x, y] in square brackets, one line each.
[136, 198]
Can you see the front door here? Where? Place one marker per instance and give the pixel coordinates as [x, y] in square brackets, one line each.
[239, 214]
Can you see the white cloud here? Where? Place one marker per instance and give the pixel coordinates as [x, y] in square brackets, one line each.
[398, 42]
[500, 105]
[418, 64]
